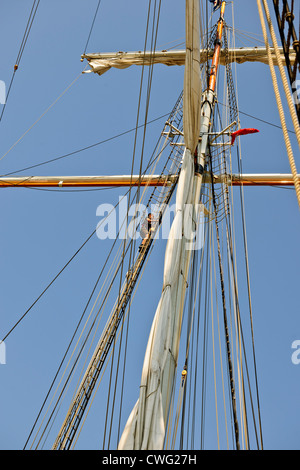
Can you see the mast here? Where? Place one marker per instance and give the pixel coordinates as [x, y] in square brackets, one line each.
[146, 426]
[200, 177]
[207, 111]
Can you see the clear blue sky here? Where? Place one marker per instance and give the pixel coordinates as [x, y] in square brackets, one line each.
[41, 230]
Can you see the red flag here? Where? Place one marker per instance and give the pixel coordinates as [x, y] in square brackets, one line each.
[242, 132]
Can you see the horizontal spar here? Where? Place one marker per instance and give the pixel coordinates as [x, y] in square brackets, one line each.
[273, 179]
[83, 181]
[102, 62]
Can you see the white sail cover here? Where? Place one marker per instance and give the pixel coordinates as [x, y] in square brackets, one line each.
[101, 63]
[192, 83]
[145, 428]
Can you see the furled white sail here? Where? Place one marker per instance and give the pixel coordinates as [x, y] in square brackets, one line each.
[145, 428]
[192, 83]
[101, 63]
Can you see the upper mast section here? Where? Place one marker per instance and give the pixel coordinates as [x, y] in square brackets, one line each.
[216, 56]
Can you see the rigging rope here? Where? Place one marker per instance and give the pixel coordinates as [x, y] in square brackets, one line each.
[57, 275]
[229, 232]
[213, 342]
[108, 139]
[220, 349]
[150, 74]
[232, 385]
[236, 324]
[280, 107]
[71, 341]
[259, 119]
[45, 112]
[183, 393]
[189, 350]
[286, 87]
[234, 115]
[125, 316]
[170, 159]
[92, 26]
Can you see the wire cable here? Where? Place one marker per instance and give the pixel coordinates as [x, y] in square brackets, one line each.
[150, 73]
[92, 26]
[280, 108]
[57, 275]
[43, 114]
[259, 119]
[21, 50]
[87, 147]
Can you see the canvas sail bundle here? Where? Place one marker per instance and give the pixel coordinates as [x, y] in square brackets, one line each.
[192, 82]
